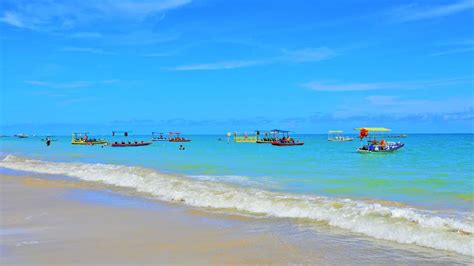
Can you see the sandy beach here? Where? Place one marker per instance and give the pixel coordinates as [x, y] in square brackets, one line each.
[43, 224]
[51, 220]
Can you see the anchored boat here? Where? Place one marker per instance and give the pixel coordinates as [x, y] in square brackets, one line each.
[176, 137]
[268, 136]
[83, 138]
[245, 137]
[375, 146]
[158, 137]
[286, 140]
[126, 142]
[336, 135]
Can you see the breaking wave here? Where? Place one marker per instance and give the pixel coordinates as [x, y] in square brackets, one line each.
[452, 232]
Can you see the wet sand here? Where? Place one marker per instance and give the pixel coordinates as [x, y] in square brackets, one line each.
[58, 222]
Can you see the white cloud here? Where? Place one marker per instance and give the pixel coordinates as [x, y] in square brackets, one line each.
[397, 106]
[309, 54]
[86, 35]
[415, 12]
[340, 87]
[60, 15]
[90, 50]
[218, 65]
[12, 19]
[68, 85]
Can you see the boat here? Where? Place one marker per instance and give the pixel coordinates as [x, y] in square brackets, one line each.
[177, 138]
[286, 140]
[130, 144]
[268, 136]
[155, 137]
[127, 143]
[21, 136]
[375, 146]
[336, 135]
[82, 138]
[245, 137]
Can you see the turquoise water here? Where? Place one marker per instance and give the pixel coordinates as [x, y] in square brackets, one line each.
[420, 195]
[432, 171]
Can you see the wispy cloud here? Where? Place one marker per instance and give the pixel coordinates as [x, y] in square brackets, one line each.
[61, 15]
[455, 47]
[344, 87]
[398, 106]
[69, 85]
[218, 65]
[85, 35]
[415, 12]
[90, 50]
[287, 56]
[56, 85]
[309, 54]
[12, 19]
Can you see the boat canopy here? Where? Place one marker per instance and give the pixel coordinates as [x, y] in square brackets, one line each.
[374, 129]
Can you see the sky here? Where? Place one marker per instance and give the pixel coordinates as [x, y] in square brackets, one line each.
[211, 66]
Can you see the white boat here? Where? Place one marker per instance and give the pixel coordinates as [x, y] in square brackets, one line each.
[336, 135]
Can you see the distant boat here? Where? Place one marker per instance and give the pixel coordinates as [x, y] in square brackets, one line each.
[286, 140]
[130, 144]
[127, 143]
[177, 138]
[21, 136]
[336, 135]
[245, 137]
[158, 138]
[82, 138]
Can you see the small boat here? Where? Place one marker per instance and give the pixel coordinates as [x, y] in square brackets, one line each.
[127, 143]
[375, 146]
[83, 138]
[278, 143]
[268, 136]
[130, 144]
[245, 137]
[155, 137]
[286, 140]
[21, 136]
[336, 136]
[177, 138]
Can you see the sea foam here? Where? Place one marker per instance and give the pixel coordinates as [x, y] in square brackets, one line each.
[452, 232]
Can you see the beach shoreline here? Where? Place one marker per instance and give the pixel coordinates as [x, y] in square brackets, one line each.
[53, 222]
[60, 221]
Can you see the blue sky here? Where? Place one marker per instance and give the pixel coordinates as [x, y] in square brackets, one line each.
[209, 66]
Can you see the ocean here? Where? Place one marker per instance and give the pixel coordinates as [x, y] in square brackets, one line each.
[420, 195]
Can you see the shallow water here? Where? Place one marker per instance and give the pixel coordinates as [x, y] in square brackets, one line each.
[422, 194]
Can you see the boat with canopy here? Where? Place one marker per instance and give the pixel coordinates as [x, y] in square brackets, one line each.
[156, 136]
[268, 136]
[83, 138]
[176, 137]
[245, 137]
[126, 142]
[373, 145]
[285, 140]
[336, 136]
